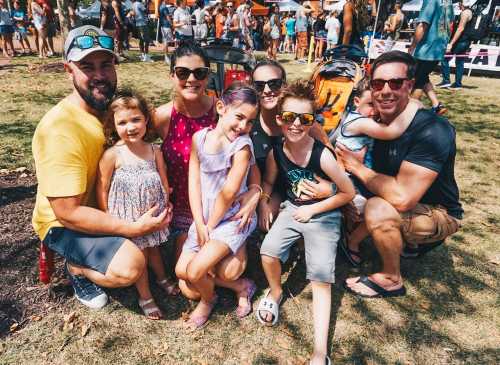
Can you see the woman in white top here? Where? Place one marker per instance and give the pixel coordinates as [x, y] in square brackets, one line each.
[333, 27]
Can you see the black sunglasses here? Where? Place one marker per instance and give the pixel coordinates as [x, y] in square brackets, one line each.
[306, 119]
[394, 84]
[274, 84]
[183, 73]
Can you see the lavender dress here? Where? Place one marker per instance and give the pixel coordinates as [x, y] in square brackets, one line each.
[135, 188]
[213, 173]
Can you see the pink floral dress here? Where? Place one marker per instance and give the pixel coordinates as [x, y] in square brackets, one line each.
[176, 149]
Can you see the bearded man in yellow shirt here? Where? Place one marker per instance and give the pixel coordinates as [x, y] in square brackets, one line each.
[67, 146]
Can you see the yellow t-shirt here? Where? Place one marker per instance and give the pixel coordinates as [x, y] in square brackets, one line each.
[67, 146]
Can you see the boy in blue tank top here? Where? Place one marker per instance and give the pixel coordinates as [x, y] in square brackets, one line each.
[297, 159]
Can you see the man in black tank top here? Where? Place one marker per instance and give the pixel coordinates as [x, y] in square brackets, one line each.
[416, 204]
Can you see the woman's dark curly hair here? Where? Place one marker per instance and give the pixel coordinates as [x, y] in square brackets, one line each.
[128, 99]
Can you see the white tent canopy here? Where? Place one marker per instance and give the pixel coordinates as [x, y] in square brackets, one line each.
[338, 6]
[288, 6]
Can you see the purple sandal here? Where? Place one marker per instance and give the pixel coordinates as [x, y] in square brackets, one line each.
[243, 311]
[198, 322]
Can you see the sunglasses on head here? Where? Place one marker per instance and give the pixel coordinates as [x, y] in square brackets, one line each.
[88, 41]
[306, 119]
[394, 84]
[199, 73]
[274, 85]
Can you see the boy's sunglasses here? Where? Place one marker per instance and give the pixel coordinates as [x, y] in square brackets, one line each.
[306, 119]
[274, 85]
[394, 84]
[200, 73]
[88, 41]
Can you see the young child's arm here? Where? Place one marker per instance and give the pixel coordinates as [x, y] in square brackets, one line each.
[231, 188]
[107, 165]
[318, 133]
[265, 211]
[345, 190]
[194, 184]
[162, 170]
[386, 131]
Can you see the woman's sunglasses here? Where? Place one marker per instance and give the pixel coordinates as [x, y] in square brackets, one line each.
[274, 85]
[306, 119]
[88, 41]
[394, 84]
[200, 73]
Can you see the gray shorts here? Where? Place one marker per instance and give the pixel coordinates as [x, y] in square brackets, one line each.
[320, 234]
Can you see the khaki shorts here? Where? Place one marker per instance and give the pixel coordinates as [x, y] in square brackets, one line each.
[426, 224]
[302, 39]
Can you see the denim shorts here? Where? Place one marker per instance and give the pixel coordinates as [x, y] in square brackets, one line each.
[82, 249]
[321, 235]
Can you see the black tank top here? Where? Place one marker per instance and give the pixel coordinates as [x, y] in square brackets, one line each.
[355, 35]
[107, 8]
[293, 174]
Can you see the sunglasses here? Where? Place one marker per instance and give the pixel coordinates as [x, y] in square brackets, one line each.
[306, 119]
[88, 41]
[274, 84]
[200, 73]
[394, 84]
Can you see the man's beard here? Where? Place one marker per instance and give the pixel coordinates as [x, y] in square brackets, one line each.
[99, 105]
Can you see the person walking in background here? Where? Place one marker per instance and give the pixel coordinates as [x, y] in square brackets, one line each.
[182, 22]
[290, 34]
[301, 32]
[40, 23]
[19, 17]
[51, 26]
[140, 15]
[429, 45]
[457, 47]
[232, 26]
[6, 30]
[113, 23]
[166, 28]
[220, 20]
[332, 27]
[354, 18]
[395, 23]
[320, 35]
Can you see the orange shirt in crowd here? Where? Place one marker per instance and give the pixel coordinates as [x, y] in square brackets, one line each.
[219, 25]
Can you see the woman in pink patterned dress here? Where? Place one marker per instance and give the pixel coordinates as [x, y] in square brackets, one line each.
[190, 111]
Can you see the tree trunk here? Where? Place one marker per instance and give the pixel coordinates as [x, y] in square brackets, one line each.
[62, 6]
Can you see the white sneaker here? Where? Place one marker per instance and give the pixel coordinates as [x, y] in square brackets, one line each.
[167, 60]
[147, 58]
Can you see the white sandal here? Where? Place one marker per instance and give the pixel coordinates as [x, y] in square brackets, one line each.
[151, 309]
[269, 305]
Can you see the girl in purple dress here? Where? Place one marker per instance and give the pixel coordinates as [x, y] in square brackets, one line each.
[218, 168]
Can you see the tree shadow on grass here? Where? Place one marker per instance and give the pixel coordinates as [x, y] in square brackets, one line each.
[13, 194]
[435, 293]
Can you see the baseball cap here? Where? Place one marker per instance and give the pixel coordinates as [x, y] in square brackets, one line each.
[74, 51]
[229, 4]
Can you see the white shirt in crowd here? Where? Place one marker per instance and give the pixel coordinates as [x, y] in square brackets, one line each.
[183, 16]
[332, 25]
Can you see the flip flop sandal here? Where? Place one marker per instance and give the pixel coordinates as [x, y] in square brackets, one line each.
[381, 292]
[244, 311]
[171, 288]
[327, 361]
[416, 252]
[348, 253]
[198, 322]
[149, 307]
[269, 305]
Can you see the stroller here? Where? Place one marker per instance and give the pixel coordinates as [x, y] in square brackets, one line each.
[222, 54]
[334, 80]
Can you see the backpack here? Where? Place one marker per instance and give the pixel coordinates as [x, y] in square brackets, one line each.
[479, 25]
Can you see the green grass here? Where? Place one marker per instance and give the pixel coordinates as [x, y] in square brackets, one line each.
[450, 315]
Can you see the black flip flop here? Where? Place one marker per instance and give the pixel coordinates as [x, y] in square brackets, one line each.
[414, 253]
[347, 251]
[381, 292]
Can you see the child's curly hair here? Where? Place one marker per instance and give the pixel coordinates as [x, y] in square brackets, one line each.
[128, 99]
[299, 89]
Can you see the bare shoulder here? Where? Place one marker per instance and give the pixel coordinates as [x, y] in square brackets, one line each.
[109, 157]
[161, 118]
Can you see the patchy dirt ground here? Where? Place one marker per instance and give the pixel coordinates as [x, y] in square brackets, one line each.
[22, 299]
